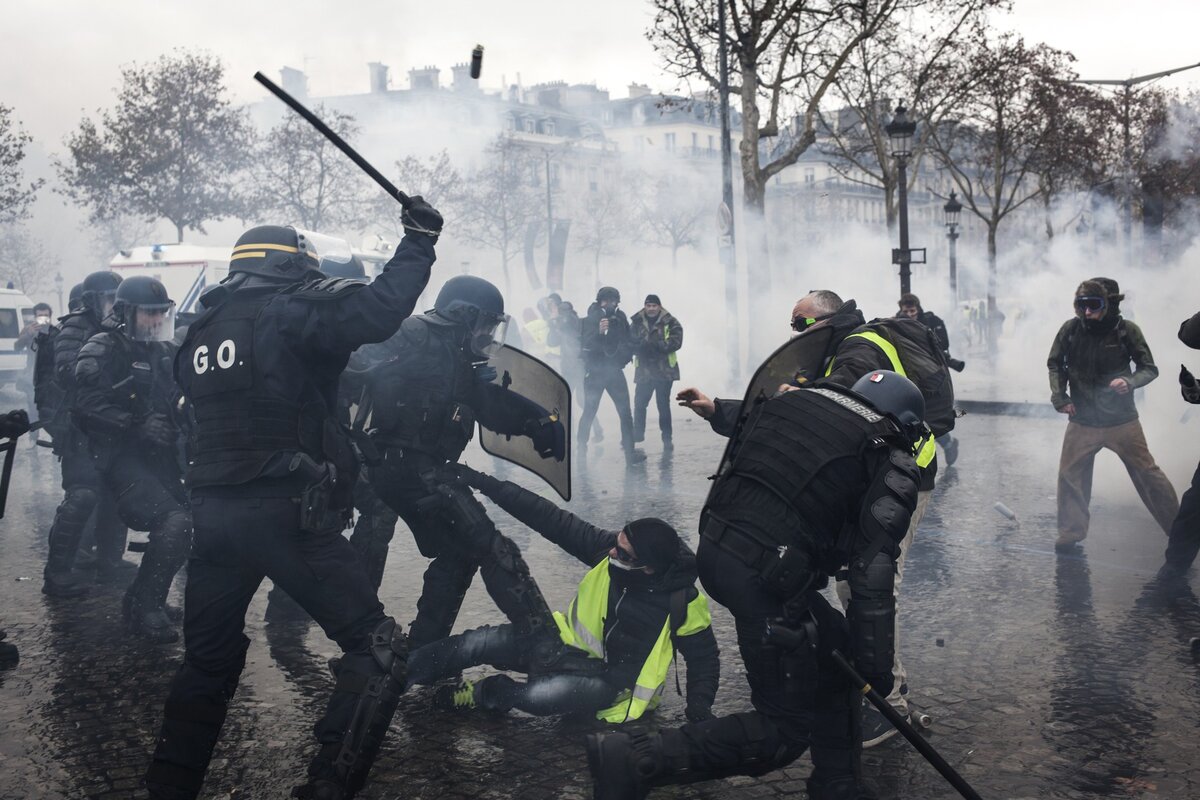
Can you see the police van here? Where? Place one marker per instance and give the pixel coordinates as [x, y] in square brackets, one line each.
[16, 312]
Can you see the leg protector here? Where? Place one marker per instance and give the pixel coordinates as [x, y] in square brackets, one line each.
[446, 582]
[514, 591]
[67, 530]
[365, 697]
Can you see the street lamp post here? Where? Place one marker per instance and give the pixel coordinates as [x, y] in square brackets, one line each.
[58, 284]
[900, 131]
[953, 210]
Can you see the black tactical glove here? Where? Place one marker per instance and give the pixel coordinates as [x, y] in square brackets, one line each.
[475, 479]
[156, 430]
[421, 218]
[14, 423]
[485, 373]
[1188, 386]
[549, 437]
[696, 712]
[882, 683]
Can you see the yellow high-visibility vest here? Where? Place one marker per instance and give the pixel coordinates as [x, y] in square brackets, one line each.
[583, 627]
[925, 448]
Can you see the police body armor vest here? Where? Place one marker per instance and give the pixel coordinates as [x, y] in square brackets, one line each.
[785, 446]
[421, 398]
[238, 423]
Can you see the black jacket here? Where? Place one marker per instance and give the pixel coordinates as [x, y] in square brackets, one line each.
[635, 613]
[611, 350]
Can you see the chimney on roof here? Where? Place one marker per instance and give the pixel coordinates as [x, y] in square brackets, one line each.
[638, 90]
[379, 77]
[293, 81]
[424, 79]
[463, 82]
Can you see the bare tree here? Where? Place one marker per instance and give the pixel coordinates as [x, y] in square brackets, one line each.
[500, 204]
[301, 179]
[603, 219]
[173, 147]
[436, 179]
[786, 55]
[672, 207]
[23, 260]
[114, 234]
[992, 151]
[16, 195]
[908, 60]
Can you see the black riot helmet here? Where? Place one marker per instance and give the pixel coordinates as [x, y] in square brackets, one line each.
[476, 305]
[144, 309]
[285, 254]
[75, 298]
[100, 291]
[895, 395]
[344, 269]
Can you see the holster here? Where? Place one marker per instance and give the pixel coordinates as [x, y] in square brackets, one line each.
[785, 571]
[318, 511]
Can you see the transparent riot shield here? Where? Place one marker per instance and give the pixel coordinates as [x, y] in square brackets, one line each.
[799, 360]
[537, 381]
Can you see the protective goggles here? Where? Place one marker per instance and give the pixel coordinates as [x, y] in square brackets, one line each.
[626, 557]
[1093, 304]
[801, 324]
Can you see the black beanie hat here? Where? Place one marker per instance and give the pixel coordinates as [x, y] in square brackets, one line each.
[653, 298]
[655, 543]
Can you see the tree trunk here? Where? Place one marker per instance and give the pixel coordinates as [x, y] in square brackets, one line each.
[178, 232]
[993, 323]
[1046, 215]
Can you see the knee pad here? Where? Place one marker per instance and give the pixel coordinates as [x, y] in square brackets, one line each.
[505, 553]
[78, 503]
[390, 649]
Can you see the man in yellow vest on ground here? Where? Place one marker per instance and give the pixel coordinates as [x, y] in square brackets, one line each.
[634, 608]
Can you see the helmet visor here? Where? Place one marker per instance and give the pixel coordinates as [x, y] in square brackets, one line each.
[322, 248]
[487, 337]
[102, 302]
[151, 323]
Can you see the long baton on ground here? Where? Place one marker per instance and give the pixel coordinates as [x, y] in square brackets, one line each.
[8, 448]
[337, 141]
[915, 739]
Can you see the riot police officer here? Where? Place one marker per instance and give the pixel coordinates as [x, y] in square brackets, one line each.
[270, 475]
[81, 483]
[425, 401]
[125, 402]
[779, 521]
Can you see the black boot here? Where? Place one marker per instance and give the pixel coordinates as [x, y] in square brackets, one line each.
[844, 788]
[616, 771]
[65, 533]
[146, 598]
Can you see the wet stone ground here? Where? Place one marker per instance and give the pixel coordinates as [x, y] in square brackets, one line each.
[1047, 676]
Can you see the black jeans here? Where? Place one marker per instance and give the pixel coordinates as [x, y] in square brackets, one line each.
[800, 700]
[551, 692]
[642, 391]
[598, 381]
[238, 542]
[1184, 541]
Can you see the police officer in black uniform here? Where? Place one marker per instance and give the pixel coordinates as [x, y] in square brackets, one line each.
[81, 483]
[270, 473]
[126, 403]
[779, 521]
[425, 400]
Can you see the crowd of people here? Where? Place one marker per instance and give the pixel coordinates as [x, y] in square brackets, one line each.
[243, 442]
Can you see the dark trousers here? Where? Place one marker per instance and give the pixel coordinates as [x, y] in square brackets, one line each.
[584, 689]
[238, 542]
[800, 700]
[598, 381]
[373, 530]
[1184, 541]
[84, 493]
[452, 527]
[642, 391]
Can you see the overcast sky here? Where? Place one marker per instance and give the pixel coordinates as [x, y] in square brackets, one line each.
[61, 58]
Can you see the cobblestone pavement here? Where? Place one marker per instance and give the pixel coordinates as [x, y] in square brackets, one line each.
[1047, 676]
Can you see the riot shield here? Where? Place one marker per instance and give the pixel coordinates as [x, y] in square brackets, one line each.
[798, 360]
[535, 380]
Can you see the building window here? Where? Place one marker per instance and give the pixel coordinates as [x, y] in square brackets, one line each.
[669, 142]
[529, 126]
[535, 174]
[548, 127]
[810, 176]
[608, 117]
[695, 141]
[710, 143]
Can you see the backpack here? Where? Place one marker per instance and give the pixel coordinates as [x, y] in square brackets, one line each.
[924, 364]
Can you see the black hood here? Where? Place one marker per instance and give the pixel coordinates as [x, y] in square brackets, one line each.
[680, 575]
[843, 321]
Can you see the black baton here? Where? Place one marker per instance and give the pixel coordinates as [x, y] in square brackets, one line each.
[338, 141]
[901, 724]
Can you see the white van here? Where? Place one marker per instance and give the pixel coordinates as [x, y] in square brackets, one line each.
[185, 269]
[16, 312]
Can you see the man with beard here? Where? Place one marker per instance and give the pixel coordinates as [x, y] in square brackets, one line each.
[657, 337]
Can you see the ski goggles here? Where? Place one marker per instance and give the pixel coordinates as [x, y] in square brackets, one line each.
[801, 324]
[1093, 304]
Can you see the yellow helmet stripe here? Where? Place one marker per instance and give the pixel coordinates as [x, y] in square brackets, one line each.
[252, 254]
[284, 248]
